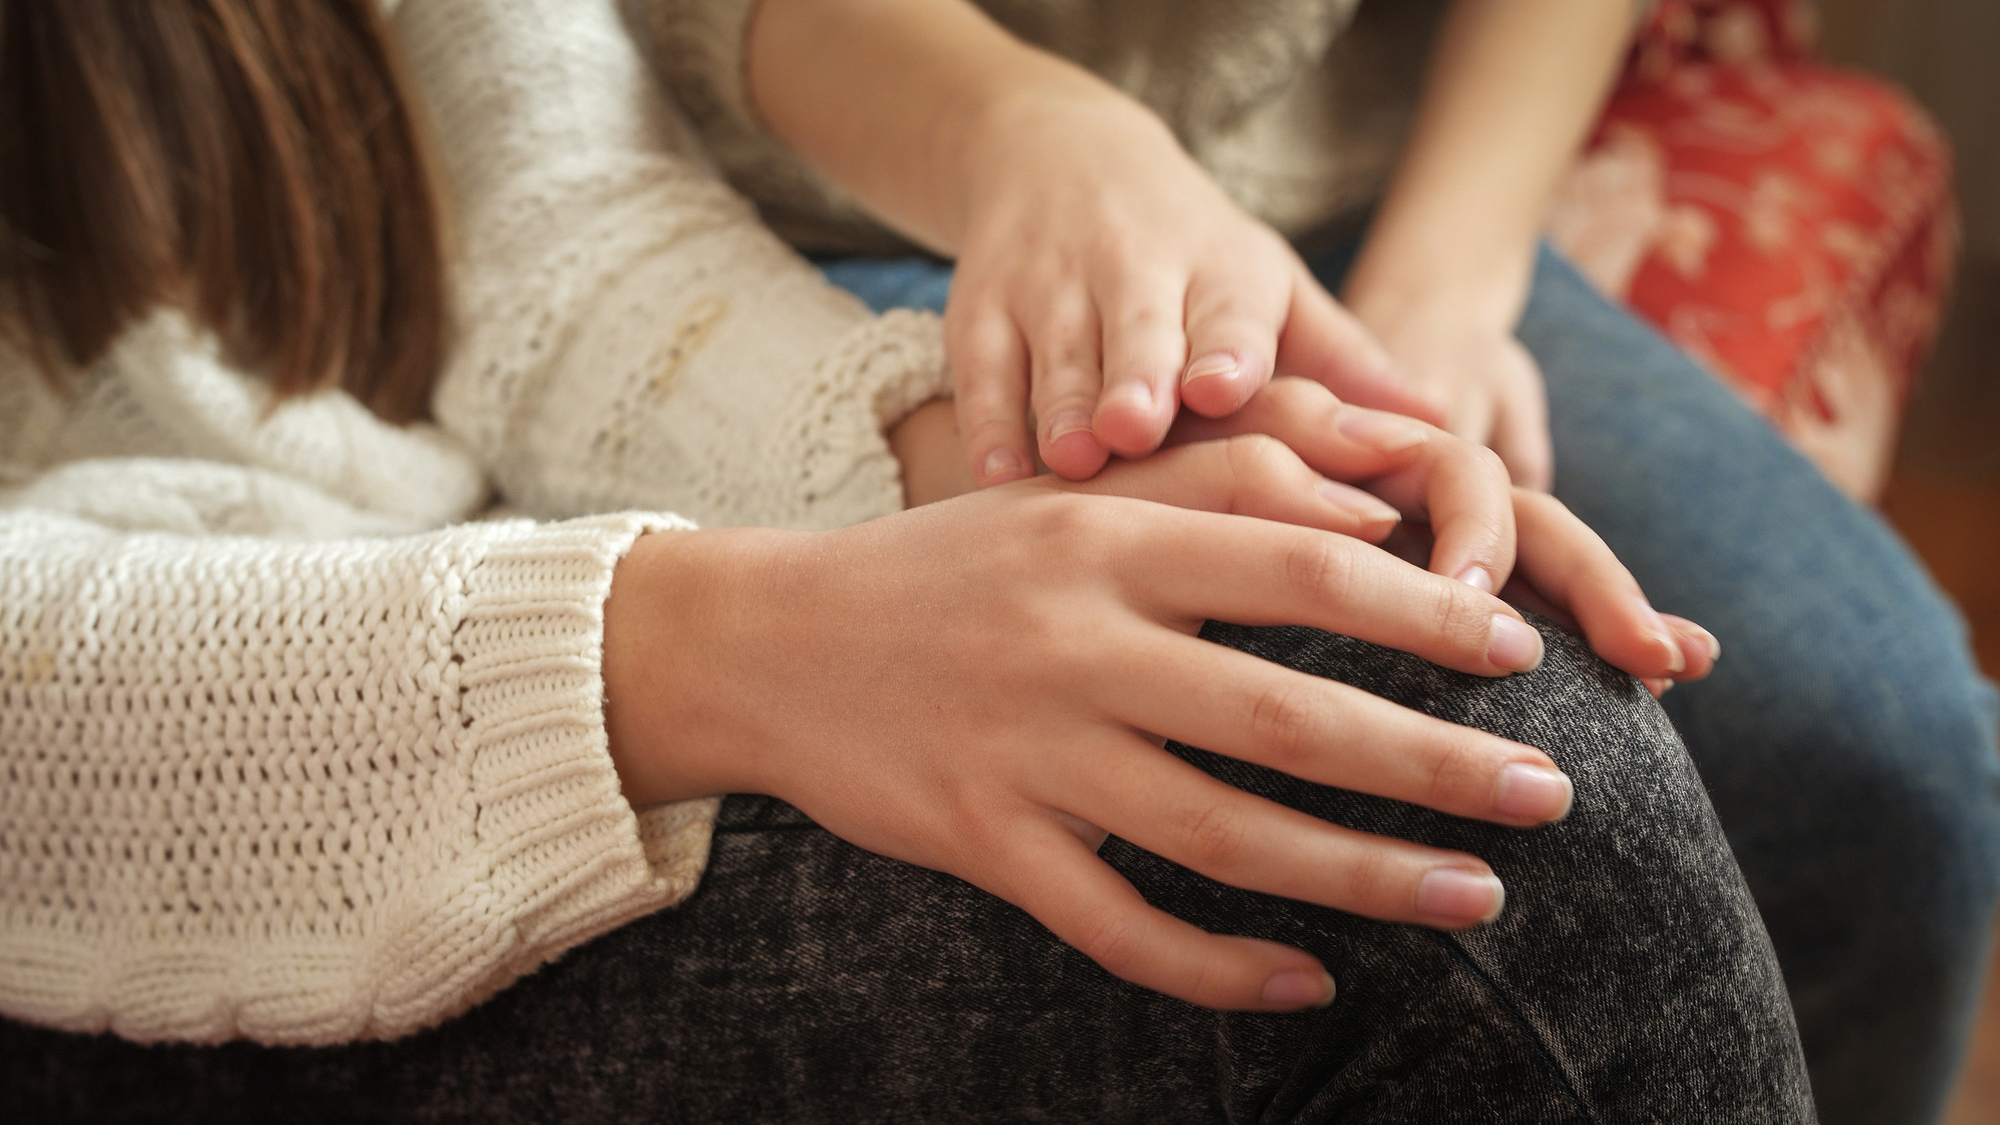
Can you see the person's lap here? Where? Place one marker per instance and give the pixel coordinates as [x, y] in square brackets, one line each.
[1628, 978]
[1846, 737]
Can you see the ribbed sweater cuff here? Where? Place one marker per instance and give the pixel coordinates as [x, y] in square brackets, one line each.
[564, 856]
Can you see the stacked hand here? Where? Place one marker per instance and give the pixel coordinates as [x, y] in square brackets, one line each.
[981, 685]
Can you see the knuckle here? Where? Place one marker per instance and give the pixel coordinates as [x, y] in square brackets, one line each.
[1317, 567]
[1257, 458]
[1215, 837]
[1283, 722]
[1488, 461]
[1461, 620]
[1112, 940]
[1460, 773]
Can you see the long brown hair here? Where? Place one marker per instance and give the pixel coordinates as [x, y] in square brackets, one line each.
[255, 163]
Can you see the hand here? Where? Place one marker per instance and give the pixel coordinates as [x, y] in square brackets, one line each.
[1474, 527]
[980, 687]
[1103, 280]
[1473, 524]
[1470, 367]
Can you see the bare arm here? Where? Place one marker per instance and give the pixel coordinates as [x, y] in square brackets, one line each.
[1513, 87]
[1103, 280]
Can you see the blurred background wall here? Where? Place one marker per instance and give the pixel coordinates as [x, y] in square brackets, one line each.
[1947, 53]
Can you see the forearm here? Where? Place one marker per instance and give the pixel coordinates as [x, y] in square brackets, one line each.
[1512, 89]
[894, 100]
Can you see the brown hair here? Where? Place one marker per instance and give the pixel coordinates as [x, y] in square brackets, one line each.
[252, 162]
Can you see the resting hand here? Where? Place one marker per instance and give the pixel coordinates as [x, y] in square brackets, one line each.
[1103, 280]
[981, 686]
[1479, 530]
[1470, 367]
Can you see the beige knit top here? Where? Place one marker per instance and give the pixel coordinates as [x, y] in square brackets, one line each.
[1295, 107]
[299, 742]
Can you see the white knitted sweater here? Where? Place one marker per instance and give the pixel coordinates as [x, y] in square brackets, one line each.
[293, 752]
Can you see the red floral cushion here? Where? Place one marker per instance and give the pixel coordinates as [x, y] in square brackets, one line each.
[1789, 224]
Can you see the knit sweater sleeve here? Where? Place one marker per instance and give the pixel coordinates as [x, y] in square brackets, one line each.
[631, 334]
[303, 792]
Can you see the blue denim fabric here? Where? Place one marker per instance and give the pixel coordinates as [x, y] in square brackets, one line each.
[1846, 738]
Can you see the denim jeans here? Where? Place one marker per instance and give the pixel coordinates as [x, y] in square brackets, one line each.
[1846, 737]
[808, 981]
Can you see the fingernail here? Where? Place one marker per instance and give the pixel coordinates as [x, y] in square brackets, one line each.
[1364, 504]
[1211, 366]
[1477, 578]
[1708, 638]
[1002, 463]
[1662, 637]
[1297, 988]
[1067, 423]
[1134, 396]
[1386, 433]
[1531, 792]
[1513, 645]
[1456, 896]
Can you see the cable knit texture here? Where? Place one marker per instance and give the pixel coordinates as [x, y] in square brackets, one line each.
[289, 750]
[633, 335]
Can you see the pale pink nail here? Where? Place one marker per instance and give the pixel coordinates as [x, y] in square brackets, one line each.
[1661, 635]
[1211, 366]
[1385, 433]
[1455, 896]
[1002, 463]
[1364, 504]
[1477, 578]
[1291, 989]
[1067, 423]
[1531, 792]
[1513, 645]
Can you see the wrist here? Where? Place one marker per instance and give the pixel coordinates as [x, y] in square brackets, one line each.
[682, 611]
[1398, 280]
[932, 456]
[1056, 123]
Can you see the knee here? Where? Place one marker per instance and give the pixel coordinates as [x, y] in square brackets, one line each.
[1883, 767]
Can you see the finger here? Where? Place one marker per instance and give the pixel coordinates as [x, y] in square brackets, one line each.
[1521, 432]
[1170, 808]
[1459, 487]
[1569, 565]
[1698, 647]
[1324, 342]
[1233, 321]
[1065, 378]
[1249, 475]
[990, 391]
[1053, 876]
[1341, 441]
[1144, 351]
[1321, 730]
[1470, 506]
[1193, 566]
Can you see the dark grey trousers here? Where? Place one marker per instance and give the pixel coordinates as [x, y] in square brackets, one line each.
[1629, 979]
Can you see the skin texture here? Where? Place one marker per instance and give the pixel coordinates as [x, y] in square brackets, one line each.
[1103, 281]
[982, 685]
[1444, 274]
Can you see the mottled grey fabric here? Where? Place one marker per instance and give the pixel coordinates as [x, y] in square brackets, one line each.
[1629, 979]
